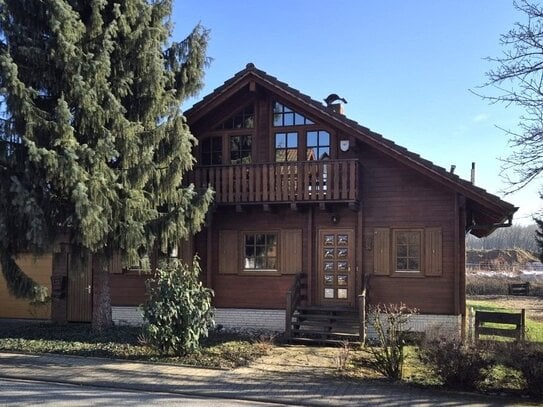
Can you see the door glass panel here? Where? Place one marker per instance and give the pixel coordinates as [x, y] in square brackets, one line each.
[328, 293]
[342, 239]
[328, 279]
[329, 240]
[328, 253]
[342, 253]
[342, 293]
[342, 266]
[328, 266]
[342, 280]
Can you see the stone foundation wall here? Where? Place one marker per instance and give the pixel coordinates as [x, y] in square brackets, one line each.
[274, 320]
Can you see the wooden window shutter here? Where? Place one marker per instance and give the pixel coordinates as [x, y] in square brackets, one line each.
[116, 264]
[291, 251]
[433, 252]
[381, 251]
[228, 252]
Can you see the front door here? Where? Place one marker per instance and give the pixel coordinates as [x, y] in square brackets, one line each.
[336, 267]
[79, 291]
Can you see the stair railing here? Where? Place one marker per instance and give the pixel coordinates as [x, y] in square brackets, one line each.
[362, 309]
[295, 296]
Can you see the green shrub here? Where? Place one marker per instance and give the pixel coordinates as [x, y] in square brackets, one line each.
[390, 325]
[458, 365]
[178, 312]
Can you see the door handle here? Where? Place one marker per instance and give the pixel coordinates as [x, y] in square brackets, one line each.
[88, 288]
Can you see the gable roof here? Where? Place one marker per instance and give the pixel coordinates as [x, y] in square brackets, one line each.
[491, 210]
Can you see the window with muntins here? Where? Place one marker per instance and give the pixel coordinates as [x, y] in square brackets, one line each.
[285, 116]
[286, 146]
[212, 151]
[260, 251]
[244, 119]
[318, 145]
[240, 149]
[407, 250]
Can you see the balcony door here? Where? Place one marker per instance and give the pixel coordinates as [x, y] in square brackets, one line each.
[335, 273]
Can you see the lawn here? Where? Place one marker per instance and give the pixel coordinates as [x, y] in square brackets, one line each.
[221, 349]
[534, 328]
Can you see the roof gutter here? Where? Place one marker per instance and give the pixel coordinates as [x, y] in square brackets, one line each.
[491, 226]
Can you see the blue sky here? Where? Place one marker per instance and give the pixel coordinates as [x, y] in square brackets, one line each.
[405, 67]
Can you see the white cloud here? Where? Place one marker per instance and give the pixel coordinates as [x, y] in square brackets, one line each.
[480, 118]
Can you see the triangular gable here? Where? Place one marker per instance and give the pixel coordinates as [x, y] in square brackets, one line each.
[491, 208]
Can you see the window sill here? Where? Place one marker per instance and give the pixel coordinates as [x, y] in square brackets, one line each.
[416, 274]
[260, 273]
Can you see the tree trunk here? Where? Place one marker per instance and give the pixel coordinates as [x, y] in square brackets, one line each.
[101, 298]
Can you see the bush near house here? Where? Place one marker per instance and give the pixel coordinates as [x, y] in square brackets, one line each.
[178, 312]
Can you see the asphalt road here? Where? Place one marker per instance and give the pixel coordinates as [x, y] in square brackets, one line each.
[32, 393]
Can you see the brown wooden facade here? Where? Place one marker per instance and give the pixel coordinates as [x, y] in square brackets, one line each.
[357, 200]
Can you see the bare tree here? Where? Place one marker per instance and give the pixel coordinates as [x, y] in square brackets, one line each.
[518, 80]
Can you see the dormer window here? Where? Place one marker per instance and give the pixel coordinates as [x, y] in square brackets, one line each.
[285, 116]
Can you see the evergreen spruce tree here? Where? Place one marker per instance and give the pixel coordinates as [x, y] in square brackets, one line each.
[93, 142]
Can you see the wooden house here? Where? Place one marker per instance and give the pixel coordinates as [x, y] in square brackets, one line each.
[311, 212]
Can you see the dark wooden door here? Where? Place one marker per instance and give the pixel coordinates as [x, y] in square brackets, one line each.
[335, 274]
[79, 291]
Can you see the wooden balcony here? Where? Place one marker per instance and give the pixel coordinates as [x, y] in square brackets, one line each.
[285, 182]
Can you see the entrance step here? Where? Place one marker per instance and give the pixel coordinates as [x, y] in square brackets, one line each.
[325, 325]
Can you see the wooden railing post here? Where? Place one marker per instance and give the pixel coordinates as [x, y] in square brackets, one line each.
[362, 317]
[288, 316]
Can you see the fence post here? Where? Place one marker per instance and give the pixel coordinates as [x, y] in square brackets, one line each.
[522, 325]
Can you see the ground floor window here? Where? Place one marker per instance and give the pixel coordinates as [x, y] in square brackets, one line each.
[260, 251]
[407, 250]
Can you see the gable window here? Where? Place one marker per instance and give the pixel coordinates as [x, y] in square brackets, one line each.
[286, 146]
[240, 149]
[407, 250]
[244, 119]
[318, 145]
[260, 251]
[212, 151]
[285, 116]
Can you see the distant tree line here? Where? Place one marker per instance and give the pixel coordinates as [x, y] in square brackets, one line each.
[514, 237]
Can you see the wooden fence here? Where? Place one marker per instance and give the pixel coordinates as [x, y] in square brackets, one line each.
[500, 324]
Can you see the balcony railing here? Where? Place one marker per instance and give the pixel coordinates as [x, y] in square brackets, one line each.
[307, 181]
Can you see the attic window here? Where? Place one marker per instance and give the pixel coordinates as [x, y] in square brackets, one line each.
[285, 116]
[243, 119]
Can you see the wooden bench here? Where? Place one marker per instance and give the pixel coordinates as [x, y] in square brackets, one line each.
[519, 289]
[482, 318]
